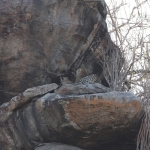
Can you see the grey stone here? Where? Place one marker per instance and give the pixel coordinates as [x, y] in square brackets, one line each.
[29, 94]
[39, 90]
[90, 121]
[78, 89]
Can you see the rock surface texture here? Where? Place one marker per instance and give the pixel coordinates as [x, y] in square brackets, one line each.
[106, 121]
[69, 89]
[54, 34]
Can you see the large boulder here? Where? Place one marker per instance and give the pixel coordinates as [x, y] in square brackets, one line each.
[39, 34]
[91, 121]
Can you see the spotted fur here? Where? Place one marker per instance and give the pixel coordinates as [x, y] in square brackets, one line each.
[89, 79]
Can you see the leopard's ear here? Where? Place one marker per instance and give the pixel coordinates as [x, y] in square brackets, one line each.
[80, 73]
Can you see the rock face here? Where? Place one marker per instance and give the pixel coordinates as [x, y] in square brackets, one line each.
[37, 34]
[91, 121]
